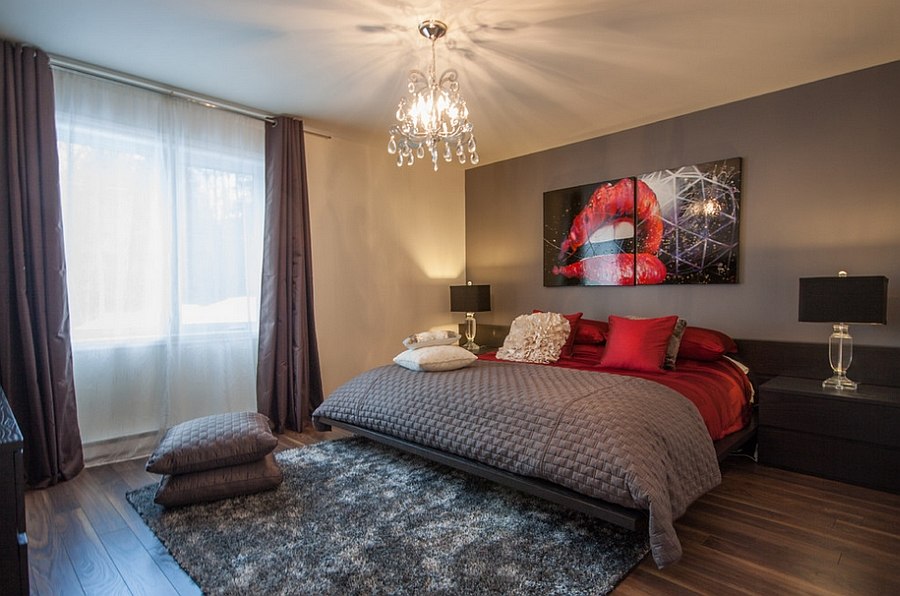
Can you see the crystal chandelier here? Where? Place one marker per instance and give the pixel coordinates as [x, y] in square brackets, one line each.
[432, 113]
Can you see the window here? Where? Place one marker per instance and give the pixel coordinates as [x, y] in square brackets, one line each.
[163, 208]
[163, 230]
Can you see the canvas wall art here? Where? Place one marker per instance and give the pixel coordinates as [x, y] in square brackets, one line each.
[676, 226]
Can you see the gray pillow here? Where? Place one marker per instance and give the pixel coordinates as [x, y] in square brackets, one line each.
[212, 442]
[219, 483]
[674, 344]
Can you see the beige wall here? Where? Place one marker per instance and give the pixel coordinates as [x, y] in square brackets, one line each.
[820, 193]
[386, 243]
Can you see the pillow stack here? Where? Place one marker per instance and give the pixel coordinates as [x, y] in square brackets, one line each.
[215, 457]
[641, 344]
[652, 345]
[434, 351]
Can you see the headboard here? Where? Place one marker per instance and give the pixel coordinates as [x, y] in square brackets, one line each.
[874, 365]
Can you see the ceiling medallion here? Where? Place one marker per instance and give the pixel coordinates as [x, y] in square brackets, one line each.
[432, 113]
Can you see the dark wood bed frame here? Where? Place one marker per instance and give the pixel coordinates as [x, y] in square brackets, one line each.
[632, 519]
[766, 360]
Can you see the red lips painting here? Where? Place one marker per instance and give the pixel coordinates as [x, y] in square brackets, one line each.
[667, 227]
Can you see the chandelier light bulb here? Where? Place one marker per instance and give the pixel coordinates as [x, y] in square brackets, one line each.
[432, 113]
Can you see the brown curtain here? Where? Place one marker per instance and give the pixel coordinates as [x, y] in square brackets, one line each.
[35, 346]
[289, 380]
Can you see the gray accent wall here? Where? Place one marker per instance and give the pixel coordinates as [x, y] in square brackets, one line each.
[820, 193]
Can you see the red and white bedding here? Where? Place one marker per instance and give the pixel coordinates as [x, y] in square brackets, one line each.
[719, 389]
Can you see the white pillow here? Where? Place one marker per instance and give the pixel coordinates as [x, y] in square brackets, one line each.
[435, 358]
[424, 339]
[538, 337]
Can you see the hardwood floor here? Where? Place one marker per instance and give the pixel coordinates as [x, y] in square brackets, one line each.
[762, 531]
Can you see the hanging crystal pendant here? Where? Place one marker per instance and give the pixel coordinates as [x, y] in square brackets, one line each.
[433, 112]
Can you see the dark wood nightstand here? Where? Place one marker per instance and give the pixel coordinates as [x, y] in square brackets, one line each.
[13, 540]
[485, 350]
[851, 436]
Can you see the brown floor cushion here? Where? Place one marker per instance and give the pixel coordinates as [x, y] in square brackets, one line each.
[213, 442]
[219, 483]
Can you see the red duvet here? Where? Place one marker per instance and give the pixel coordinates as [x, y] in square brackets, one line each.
[719, 389]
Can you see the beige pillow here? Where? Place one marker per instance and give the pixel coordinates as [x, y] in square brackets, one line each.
[219, 483]
[213, 442]
[424, 339]
[435, 358]
[537, 337]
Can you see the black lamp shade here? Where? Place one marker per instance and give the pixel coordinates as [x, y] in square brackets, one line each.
[861, 299]
[470, 298]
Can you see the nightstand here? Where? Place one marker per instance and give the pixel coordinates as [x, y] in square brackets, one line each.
[851, 436]
[13, 540]
[484, 350]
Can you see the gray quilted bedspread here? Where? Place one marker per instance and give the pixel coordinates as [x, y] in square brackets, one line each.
[621, 439]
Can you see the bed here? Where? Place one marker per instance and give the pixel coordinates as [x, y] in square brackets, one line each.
[629, 446]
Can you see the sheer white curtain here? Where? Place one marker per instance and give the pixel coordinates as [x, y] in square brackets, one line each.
[163, 208]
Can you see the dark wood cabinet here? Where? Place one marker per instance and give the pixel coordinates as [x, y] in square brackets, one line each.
[13, 540]
[851, 436]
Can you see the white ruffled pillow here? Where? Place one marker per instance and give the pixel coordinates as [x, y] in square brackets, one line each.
[537, 337]
[435, 358]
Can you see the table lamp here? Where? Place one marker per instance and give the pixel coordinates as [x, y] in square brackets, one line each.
[842, 300]
[470, 299]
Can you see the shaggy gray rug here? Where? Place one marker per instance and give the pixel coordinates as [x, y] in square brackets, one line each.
[354, 517]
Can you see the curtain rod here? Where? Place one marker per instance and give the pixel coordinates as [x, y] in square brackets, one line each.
[72, 65]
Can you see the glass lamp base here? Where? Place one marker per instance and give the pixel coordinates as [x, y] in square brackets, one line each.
[840, 355]
[471, 327]
[840, 382]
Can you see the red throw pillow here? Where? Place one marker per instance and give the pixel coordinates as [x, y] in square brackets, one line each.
[698, 343]
[587, 353]
[592, 332]
[573, 319]
[637, 344]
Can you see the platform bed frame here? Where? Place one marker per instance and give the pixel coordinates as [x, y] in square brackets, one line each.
[631, 519]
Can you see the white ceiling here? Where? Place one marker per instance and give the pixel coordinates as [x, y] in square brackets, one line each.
[535, 74]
